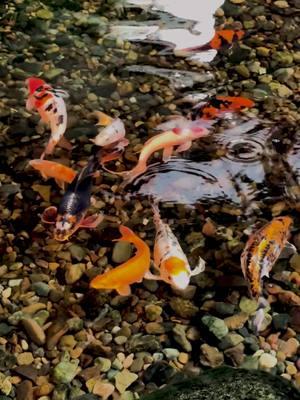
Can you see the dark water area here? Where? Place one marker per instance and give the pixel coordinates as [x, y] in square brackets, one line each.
[145, 61]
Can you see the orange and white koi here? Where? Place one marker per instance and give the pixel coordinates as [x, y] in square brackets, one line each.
[169, 258]
[260, 254]
[51, 169]
[71, 212]
[219, 105]
[132, 271]
[49, 103]
[262, 250]
[179, 136]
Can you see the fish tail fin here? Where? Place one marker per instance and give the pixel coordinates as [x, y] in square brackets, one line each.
[50, 147]
[103, 119]
[127, 234]
[156, 212]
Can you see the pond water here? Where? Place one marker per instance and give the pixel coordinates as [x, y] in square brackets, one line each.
[146, 61]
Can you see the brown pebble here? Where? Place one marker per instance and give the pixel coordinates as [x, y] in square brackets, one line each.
[25, 358]
[27, 371]
[90, 372]
[44, 389]
[33, 308]
[290, 347]
[236, 321]
[34, 331]
[183, 358]
[24, 391]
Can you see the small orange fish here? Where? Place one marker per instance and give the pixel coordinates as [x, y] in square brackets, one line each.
[225, 37]
[51, 169]
[262, 250]
[169, 258]
[132, 271]
[219, 105]
[180, 136]
[222, 38]
[50, 105]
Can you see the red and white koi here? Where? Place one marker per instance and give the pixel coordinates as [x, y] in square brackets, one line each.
[49, 103]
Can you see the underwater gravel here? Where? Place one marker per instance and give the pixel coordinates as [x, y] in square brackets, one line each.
[58, 339]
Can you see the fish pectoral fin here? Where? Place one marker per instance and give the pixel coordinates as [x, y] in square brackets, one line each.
[184, 147]
[150, 276]
[44, 175]
[91, 221]
[167, 153]
[200, 267]
[49, 215]
[288, 250]
[124, 290]
[65, 144]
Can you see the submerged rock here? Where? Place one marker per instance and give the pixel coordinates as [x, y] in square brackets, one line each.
[230, 384]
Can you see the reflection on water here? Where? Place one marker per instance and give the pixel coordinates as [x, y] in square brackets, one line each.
[181, 25]
[244, 173]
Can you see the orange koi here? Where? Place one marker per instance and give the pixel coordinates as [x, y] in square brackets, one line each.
[169, 259]
[180, 136]
[49, 103]
[219, 105]
[260, 254]
[51, 169]
[262, 250]
[132, 271]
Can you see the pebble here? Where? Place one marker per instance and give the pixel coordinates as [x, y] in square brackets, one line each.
[236, 321]
[281, 4]
[153, 311]
[170, 353]
[236, 354]
[121, 252]
[230, 340]
[137, 365]
[104, 363]
[183, 307]
[290, 347]
[159, 372]
[25, 358]
[24, 391]
[210, 356]
[34, 331]
[179, 332]
[103, 389]
[65, 371]
[41, 288]
[124, 379]
[267, 361]
[216, 326]
[74, 273]
[248, 306]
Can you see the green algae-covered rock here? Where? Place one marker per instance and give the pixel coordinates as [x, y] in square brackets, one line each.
[230, 384]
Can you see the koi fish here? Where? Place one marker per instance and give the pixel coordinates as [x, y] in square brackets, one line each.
[113, 132]
[49, 103]
[71, 212]
[219, 105]
[132, 271]
[178, 136]
[169, 258]
[51, 169]
[260, 254]
[222, 38]
[262, 250]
